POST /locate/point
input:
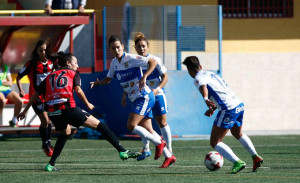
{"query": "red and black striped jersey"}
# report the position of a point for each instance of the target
(37, 71)
(58, 88)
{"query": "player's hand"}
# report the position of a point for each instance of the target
(142, 84)
(97, 82)
(22, 93)
(21, 116)
(90, 106)
(211, 105)
(209, 112)
(81, 9)
(155, 91)
(48, 10)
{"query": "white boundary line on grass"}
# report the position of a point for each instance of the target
(111, 165)
(190, 147)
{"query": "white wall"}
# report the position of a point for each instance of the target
(269, 84)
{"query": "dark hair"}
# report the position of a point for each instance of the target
(191, 62)
(114, 38)
(63, 58)
(138, 36)
(34, 54)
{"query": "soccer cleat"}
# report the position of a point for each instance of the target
(47, 150)
(50, 168)
(144, 155)
(237, 166)
(12, 124)
(159, 149)
(168, 162)
(257, 161)
(129, 154)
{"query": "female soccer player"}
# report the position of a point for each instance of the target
(38, 68)
(156, 82)
(5, 92)
(217, 94)
(58, 88)
(127, 68)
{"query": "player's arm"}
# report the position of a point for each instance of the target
(19, 84)
(32, 99)
(7, 81)
(103, 81)
(152, 64)
(83, 98)
(210, 104)
(162, 84)
(123, 102)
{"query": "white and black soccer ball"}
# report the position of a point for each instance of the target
(213, 161)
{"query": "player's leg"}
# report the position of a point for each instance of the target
(17, 100)
(165, 130)
(160, 110)
(146, 152)
(224, 121)
(87, 120)
(248, 145)
(45, 131)
(2, 102)
(59, 145)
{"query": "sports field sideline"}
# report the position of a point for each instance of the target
(22, 160)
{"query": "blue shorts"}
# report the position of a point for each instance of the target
(143, 105)
(160, 106)
(6, 92)
(228, 118)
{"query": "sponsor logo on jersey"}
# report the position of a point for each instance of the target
(139, 57)
(151, 83)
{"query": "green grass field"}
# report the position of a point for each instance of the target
(22, 160)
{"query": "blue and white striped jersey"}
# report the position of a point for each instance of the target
(218, 90)
(128, 72)
(154, 79)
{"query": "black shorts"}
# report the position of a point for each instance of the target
(73, 116)
(38, 107)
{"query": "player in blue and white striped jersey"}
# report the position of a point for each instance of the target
(127, 69)
(156, 82)
(217, 94)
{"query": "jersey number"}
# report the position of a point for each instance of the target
(60, 82)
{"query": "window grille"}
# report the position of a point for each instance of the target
(257, 8)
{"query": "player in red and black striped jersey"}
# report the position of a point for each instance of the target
(38, 68)
(59, 102)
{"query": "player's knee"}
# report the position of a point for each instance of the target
(130, 127)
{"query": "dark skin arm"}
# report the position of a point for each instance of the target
(210, 104)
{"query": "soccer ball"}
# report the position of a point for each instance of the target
(213, 161)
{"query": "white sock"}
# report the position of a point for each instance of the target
(226, 151)
(166, 133)
(143, 133)
(167, 153)
(146, 144)
(247, 143)
(14, 120)
(156, 134)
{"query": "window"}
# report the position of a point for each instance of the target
(257, 8)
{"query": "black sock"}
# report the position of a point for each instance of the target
(49, 135)
(59, 145)
(44, 134)
(110, 136)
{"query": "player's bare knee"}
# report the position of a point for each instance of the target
(130, 127)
